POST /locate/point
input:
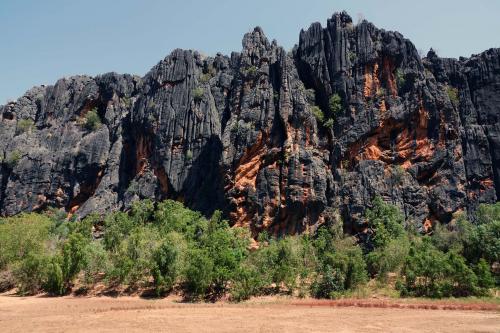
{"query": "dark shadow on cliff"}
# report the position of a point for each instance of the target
(204, 185)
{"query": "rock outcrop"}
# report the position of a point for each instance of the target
(240, 134)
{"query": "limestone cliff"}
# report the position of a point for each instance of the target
(238, 133)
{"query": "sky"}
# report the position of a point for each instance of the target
(42, 41)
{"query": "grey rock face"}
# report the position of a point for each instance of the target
(239, 133)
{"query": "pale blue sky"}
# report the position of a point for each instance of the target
(42, 41)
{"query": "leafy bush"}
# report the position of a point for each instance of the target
(226, 250)
(168, 262)
(13, 159)
(24, 125)
(55, 283)
(92, 120)
(199, 273)
(30, 272)
(453, 95)
(400, 78)
(117, 227)
(73, 256)
(173, 216)
(329, 123)
(335, 105)
(198, 94)
(132, 259)
(250, 72)
(432, 273)
(21, 236)
(485, 279)
(341, 270)
(445, 239)
(208, 73)
(386, 221)
(141, 211)
(166, 246)
(388, 259)
(483, 239)
(398, 173)
(316, 111)
(96, 264)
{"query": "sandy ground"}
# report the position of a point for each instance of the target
(133, 314)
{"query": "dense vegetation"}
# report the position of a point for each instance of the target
(165, 246)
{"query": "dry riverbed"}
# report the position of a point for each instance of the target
(135, 314)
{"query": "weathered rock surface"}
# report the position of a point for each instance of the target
(238, 133)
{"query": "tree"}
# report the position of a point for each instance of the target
(55, 283)
(73, 256)
(168, 261)
(342, 269)
(30, 272)
(199, 273)
(386, 221)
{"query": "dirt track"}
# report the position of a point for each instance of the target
(133, 314)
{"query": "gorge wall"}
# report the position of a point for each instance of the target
(238, 133)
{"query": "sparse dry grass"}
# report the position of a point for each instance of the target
(263, 314)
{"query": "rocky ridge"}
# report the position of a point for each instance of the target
(239, 133)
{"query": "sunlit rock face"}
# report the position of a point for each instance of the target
(241, 133)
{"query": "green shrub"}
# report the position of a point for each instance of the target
(432, 273)
(386, 221)
(21, 236)
(117, 227)
(445, 239)
(388, 259)
(226, 250)
(248, 282)
(7, 281)
(250, 72)
(173, 216)
(329, 123)
(55, 283)
(132, 260)
(330, 284)
(485, 279)
(92, 120)
(141, 211)
(24, 125)
(316, 111)
(30, 272)
(198, 94)
(13, 159)
(341, 270)
(453, 95)
(168, 262)
(96, 263)
(352, 56)
(481, 240)
(199, 273)
(208, 73)
(488, 214)
(400, 78)
(425, 272)
(398, 173)
(335, 105)
(73, 256)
